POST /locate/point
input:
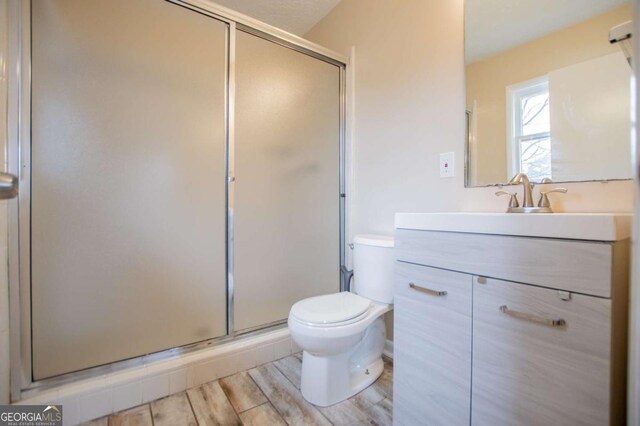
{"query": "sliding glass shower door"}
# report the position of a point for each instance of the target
(128, 181)
(180, 180)
(287, 189)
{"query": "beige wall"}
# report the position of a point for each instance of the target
(409, 103)
(409, 107)
(590, 120)
(487, 80)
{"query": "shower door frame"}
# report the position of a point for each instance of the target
(19, 163)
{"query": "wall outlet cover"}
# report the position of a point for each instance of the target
(447, 163)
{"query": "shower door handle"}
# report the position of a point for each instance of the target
(8, 186)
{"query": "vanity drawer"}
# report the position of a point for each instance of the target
(424, 283)
(432, 346)
(577, 266)
(527, 370)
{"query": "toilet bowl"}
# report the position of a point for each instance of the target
(342, 335)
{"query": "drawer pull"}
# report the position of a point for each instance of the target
(529, 317)
(427, 290)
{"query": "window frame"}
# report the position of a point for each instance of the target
(514, 95)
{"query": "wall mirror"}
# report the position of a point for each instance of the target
(547, 92)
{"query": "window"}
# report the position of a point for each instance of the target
(529, 129)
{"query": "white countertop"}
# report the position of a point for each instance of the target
(578, 226)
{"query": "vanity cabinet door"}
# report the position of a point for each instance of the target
(539, 359)
(432, 346)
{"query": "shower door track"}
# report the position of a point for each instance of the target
(19, 163)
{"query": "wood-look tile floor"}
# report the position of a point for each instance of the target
(264, 396)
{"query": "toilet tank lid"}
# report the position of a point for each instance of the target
(374, 240)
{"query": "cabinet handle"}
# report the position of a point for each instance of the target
(427, 290)
(529, 317)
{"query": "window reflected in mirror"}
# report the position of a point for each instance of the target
(547, 90)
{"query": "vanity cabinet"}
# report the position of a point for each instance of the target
(540, 356)
(510, 330)
(435, 320)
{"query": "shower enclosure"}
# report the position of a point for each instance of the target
(181, 180)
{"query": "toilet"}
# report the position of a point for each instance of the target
(342, 335)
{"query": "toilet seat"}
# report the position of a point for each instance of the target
(331, 310)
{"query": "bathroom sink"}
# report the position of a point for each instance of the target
(579, 226)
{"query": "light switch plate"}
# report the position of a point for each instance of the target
(447, 164)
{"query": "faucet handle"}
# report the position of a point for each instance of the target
(513, 201)
(544, 200)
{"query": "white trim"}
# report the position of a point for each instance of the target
(472, 160)
(100, 396)
(388, 349)
(513, 94)
(512, 167)
(349, 154)
(4, 291)
(633, 373)
(19, 81)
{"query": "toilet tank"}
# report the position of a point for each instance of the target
(373, 264)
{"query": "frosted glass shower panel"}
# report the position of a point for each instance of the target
(128, 180)
(287, 180)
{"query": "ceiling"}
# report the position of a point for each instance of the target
(294, 16)
(492, 26)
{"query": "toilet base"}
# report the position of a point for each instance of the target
(327, 380)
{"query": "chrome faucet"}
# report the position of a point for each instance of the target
(544, 206)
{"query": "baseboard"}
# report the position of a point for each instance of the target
(388, 349)
(100, 396)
